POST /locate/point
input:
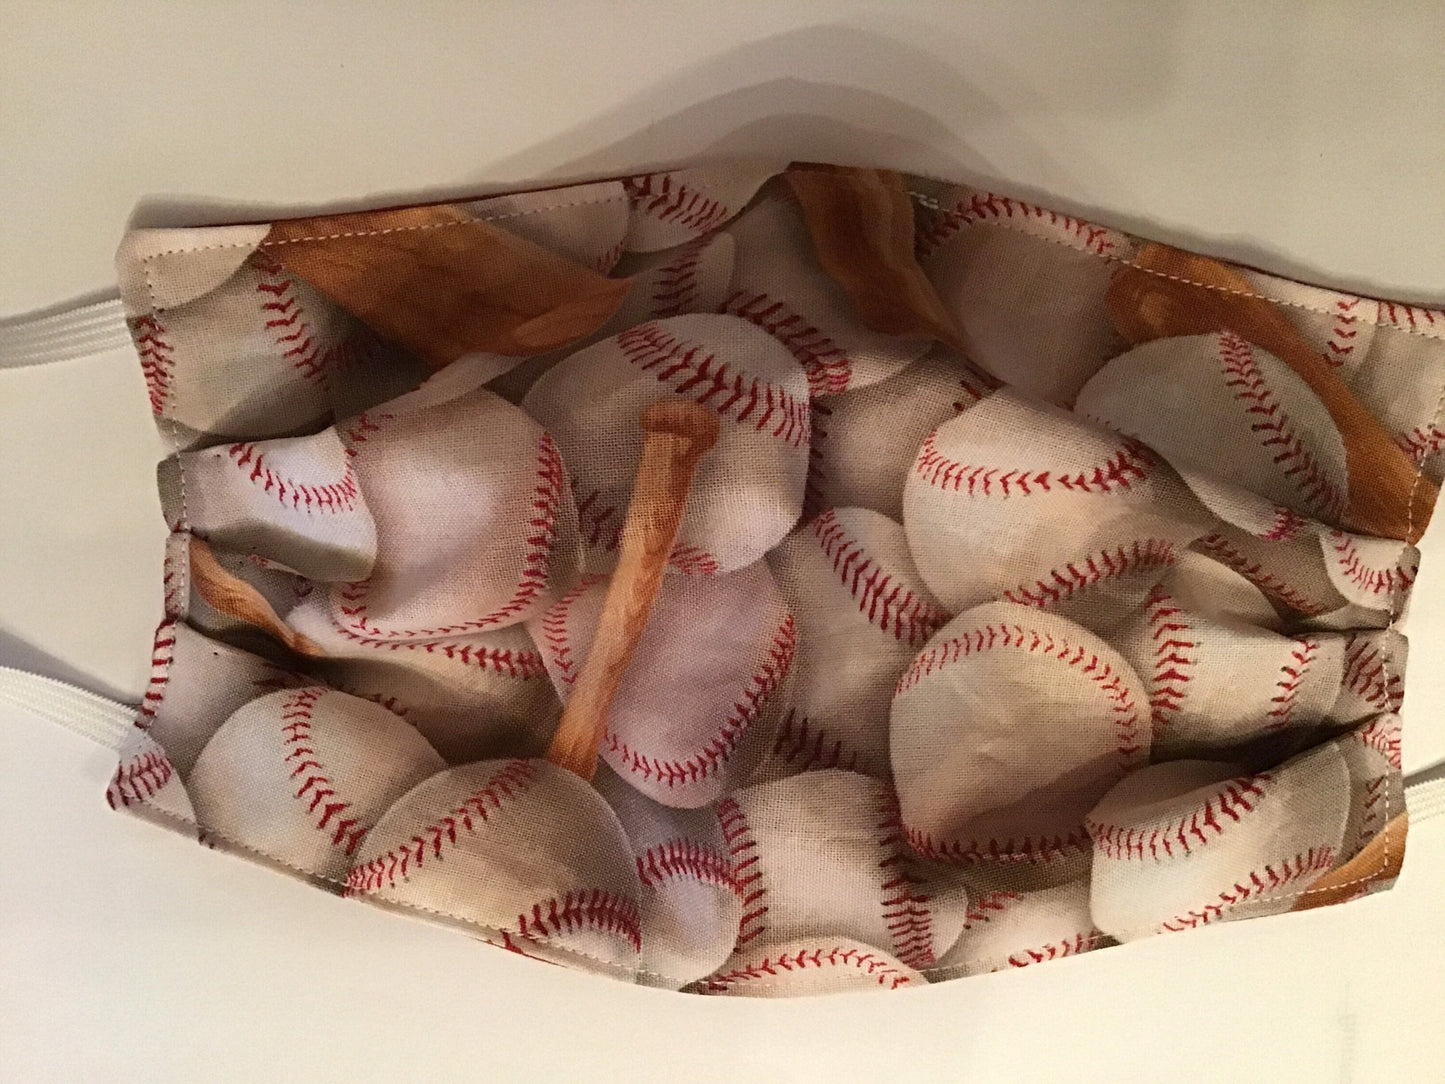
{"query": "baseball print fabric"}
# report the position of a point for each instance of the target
(947, 584)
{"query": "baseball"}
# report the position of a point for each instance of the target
(711, 656)
(1025, 502)
(1369, 573)
(1340, 326)
(1189, 842)
(689, 905)
(1213, 682)
(865, 441)
(779, 285)
(1216, 405)
(824, 854)
(1289, 572)
(1373, 681)
(473, 697)
(1026, 286)
(1008, 928)
(282, 338)
(301, 775)
(195, 685)
(748, 493)
(521, 848)
(1400, 380)
(862, 613)
(1377, 790)
(810, 966)
(672, 208)
(472, 534)
(1006, 729)
(293, 500)
(145, 782)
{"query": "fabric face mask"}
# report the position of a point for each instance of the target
(766, 582)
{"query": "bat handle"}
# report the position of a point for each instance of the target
(676, 435)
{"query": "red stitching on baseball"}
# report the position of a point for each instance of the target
(1033, 849)
(600, 523)
(687, 369)
(1130, 463)
(1062, 584)
(869, 964)
(1341, 343)
(339, 496)
(1222, 550)
(715, 753)
(555, 639)
(1382, 734)
(828, 367)
(536, 563)
(996, 902)
(1084, 942)
(162, 652)
(584, 909)
(1225, 806)
(512, 780)
(674, 290)
(1287, 524)
(1174, 659)
(907, 913)
(1017, 638)
(1278, 433)
(498, 660)
(361, 429)
(746, 868)
(286, 320)
(1421, 443)
(1376, 581)
(314, 787)
(678, 859)
(157, 359)
(804, 746)
(1408, 317)
(815, 498)
(889, 606)
(1292, 676)
(1252, 886)
(986, 207)
(139, 779)
(658, 195)
(607, 260)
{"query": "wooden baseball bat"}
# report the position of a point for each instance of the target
(1167, 292)
(677, 434)
(1381, 859)
(233, 596)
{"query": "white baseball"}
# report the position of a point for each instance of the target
(1377, 790)
(824, 854)
(690, 906)
(671, 208)
(146, 783)
(474, 697)
(301, 775)
(865, 440)
(811, 966)
(1289, 572)
(748, 491)
(1341, 327)
(294, 500)
(1006, 729)
(1369, 573)
(249, 359)
(1189, 842)
(1373, 682)
(1205, 585)
(779, 285)
(1022, 501)
(674, 282)
(1214, 682)
(862, 613)
(1401, 378)
(1217, 406)
(711, 657)
(521, 848)
(1009, 928)
(1026, 286)
(474, 518)
(195, 685)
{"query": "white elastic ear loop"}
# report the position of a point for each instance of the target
(82, 331)
(102, 720)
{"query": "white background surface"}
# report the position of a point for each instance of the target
(1300, 137)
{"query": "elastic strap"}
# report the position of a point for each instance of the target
(104, 721)
(83, 331)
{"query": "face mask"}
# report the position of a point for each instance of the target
(766, 582)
